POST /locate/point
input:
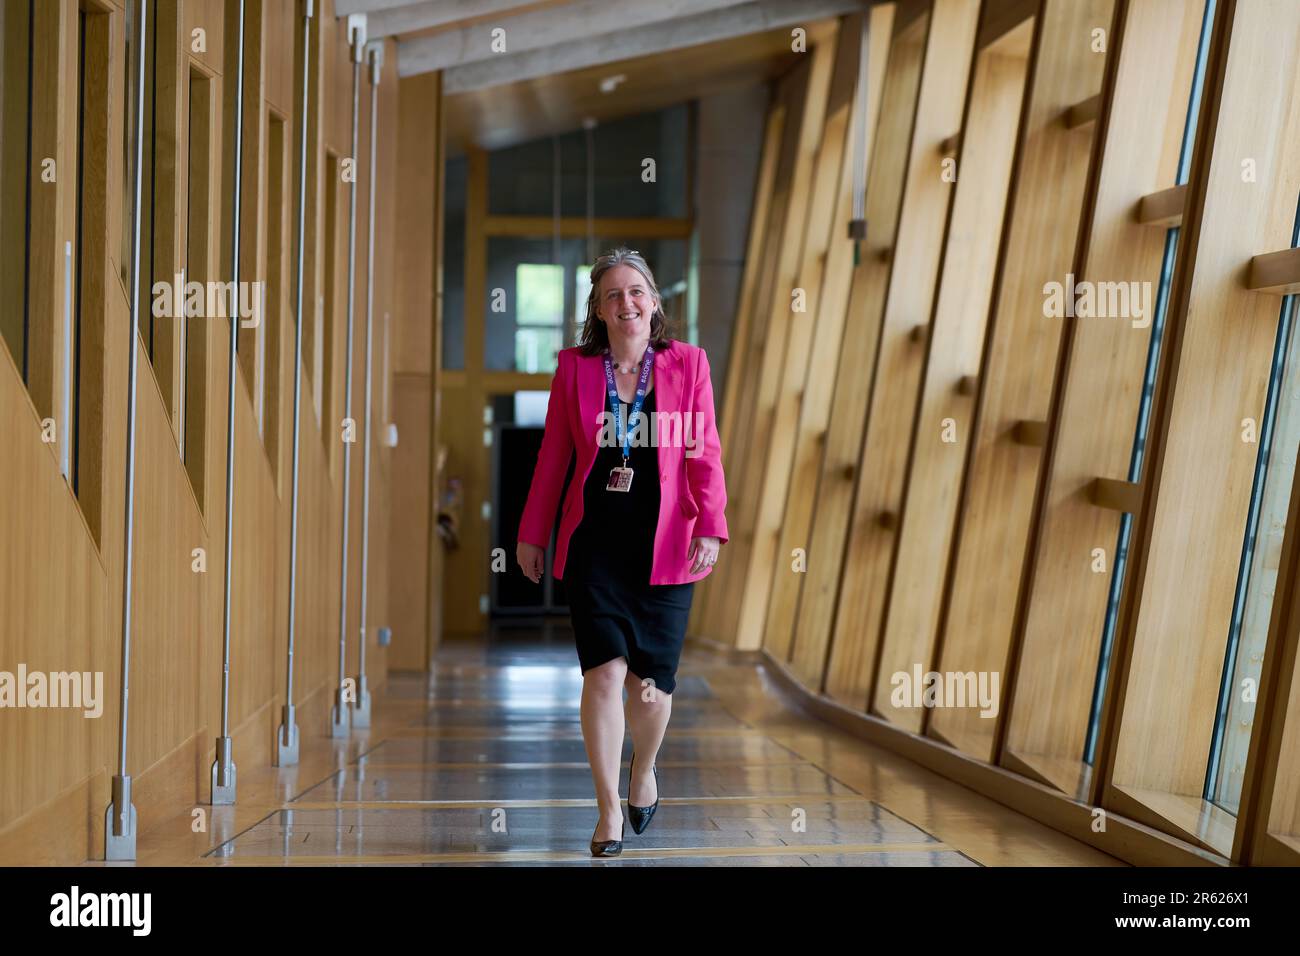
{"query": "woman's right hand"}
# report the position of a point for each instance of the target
(532, 560)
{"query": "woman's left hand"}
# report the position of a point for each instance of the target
(704, 552)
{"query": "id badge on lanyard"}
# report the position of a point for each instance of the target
(620, 476)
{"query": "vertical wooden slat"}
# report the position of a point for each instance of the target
(1219, 349)
(1015, 381)
(831, 303)
(742, 352)
(53, 96)
(915, 261)
(745, 464)
(941, 434)
(1093, 413)
(836, 483)
(802, 327)
(739, 461)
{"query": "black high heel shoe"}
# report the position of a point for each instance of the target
(641, 816)
(609, 847)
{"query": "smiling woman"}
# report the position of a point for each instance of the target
(632, 571)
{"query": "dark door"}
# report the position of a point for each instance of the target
(514, 457)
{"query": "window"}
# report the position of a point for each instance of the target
(528, 295)
(331, 297)
(523, 180)
(150, 218)
(278, 259)
(581, 291)
(540, 316)
(199, 260)
(1148, 392)
(16, 24)
(128, 139)
(453, 264)
(72, 336)
(1278, 435)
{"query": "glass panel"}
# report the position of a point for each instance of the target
(541, 294)
(1261, 552)
(148, 186)
(15, 135)
(74, 384)
(196, 268)
(1134, 475)
(526, 289)
(581, 291)
(522, 179)
(128, 137)
(1148, 389)
(536, 349)
(453, 264)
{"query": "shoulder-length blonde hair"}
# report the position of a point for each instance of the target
(595, 338)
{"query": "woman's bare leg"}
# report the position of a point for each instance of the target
(648, 710)
(602, 732)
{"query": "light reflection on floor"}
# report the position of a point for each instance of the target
(490, 769)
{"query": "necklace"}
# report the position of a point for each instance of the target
(628, 367)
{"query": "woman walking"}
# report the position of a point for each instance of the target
(642, 521)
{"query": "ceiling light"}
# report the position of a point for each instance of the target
(610, 83)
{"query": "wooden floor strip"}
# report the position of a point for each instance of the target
(372, 764)
(754, 799)
(558, 856)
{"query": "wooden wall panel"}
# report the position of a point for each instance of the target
(769, 210)
(14, 153)
(163, 241)
(837, 481)
(419, 158)
(1270, 798)
(409, 524)
(817, 320)
(710, 609)
(51, 213)
(831, 303)
(1099, 388)
(1013, 588)
(941, 437)
(60, 604)
(1015, 382)
(100, 227)
(745, 482)
(313, 345)
(208, 16)
(1220, 347)
(897, 375)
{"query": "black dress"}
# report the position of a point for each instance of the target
(615, 610)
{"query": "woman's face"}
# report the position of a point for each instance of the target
(625, 303)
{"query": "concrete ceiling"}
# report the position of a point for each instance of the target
(515, 71)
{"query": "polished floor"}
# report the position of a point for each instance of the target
(482, 763)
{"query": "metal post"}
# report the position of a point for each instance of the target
(361, 707)
(286, 751)
(341, 713)
(120, 816)
(223, 767)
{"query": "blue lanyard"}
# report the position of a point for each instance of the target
(646, 363)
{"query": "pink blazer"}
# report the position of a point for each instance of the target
(692, 495)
